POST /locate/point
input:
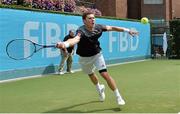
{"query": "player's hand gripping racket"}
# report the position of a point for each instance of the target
(20, 49)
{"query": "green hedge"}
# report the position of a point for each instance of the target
(175, 31)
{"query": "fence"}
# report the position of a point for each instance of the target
(159, 27)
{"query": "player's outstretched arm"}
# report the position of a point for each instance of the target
(68, 43)
(121, 29)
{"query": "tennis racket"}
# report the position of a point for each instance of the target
(20, 49)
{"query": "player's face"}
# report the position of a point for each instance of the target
(90, 20)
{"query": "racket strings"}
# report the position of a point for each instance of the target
(20, 49)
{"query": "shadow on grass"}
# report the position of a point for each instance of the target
(68, 109)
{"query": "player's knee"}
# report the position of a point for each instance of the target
(102, 71)
(105, 74)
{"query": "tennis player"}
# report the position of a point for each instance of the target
(90, 56)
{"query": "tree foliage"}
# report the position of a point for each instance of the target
(175, 31)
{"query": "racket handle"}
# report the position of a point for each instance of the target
(49, 46)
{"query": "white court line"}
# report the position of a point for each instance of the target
(77, 70)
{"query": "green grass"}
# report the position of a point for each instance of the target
(148, 87)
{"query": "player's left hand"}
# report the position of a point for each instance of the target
(60, 45)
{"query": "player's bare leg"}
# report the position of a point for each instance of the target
(99, 87)
(111, 83)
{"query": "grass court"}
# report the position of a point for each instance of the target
(151, 86)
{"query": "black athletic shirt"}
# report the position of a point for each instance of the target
(89, 44)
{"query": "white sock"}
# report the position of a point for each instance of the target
(98, 87)
(116, 92)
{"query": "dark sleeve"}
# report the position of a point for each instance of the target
(79, 32)
(102, 27)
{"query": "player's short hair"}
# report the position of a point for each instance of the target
(85, 15)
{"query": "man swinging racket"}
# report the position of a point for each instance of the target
(90, 56)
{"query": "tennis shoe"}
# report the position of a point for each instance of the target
(120, 101)
(61, 73)
(101, 93)
(70, 72)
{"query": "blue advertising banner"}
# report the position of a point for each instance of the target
(48, 28)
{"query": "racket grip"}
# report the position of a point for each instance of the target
(49, 46)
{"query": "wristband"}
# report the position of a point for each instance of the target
(66, 44)
(126, 30)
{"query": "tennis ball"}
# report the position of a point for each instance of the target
(144, 20)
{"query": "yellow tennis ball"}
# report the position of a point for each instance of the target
(144, 20)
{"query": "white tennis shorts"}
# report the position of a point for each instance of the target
(89, 64)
